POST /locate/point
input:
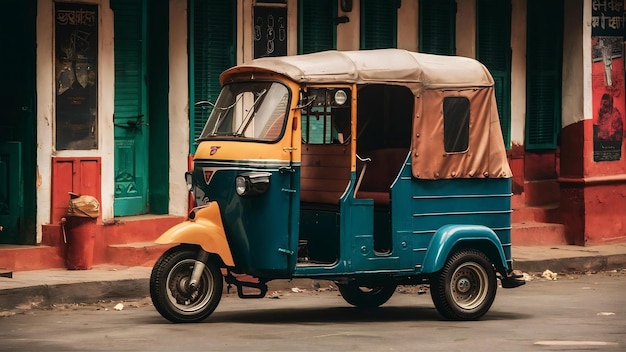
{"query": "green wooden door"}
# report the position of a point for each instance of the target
(11, 197)
(493, 49)
(18, 126)
(212, 37)
(130, 114)
(379, 24)
(544, 57)
(317, 25)
(437, 25)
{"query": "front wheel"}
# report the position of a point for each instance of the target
(171, 294)
(366, 296)
(466, 286)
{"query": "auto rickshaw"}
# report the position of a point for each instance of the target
(371, 169)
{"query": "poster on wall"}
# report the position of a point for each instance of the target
(607, 18)
(608, 97)
(76, 54)
(270, 31)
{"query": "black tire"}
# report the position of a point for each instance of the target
(365, 296)
(169, 289)
(466, 286)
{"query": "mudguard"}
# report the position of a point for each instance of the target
(203, 228)
(475, 236)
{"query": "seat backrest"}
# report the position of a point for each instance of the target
(325, 172)
(383, 168)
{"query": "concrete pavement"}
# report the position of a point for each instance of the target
(60, 286)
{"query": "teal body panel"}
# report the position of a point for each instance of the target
(429, 219)
(449, 237)
(423, 209)
(261, 230)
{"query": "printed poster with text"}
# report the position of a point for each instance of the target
(608, 97)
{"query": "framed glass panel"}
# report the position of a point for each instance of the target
(76, 63)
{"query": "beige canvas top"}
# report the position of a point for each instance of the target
(417, 71)
(431, 78)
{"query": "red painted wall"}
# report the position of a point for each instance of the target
(593, 194)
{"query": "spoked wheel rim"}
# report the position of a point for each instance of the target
(181, 296)
(469, 285)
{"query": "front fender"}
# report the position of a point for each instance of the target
(475, 236)
(204, 229)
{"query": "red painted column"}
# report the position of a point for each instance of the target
(593, 192)
(571, 186)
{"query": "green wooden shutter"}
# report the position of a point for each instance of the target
(212, 36)
(437, 25)
(317, 28)
(379, 24)
(493, 49)
(543, 73)
(128, 30)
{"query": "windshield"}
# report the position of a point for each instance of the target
(254, 110)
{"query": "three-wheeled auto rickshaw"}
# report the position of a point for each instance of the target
(371, 169)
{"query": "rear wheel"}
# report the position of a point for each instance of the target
(466, 286)
(173, 296)
(366, 296)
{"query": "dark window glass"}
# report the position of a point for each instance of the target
(385, 115)
(326, 121)
(456, 122)
(76, 62)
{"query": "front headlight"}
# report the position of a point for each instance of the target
(252, 183)
(241, 185)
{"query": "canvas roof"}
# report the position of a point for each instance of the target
(417, 71)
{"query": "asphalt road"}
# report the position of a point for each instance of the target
(579, 312)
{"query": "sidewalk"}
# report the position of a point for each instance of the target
(59, 286)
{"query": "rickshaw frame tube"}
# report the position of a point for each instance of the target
(205, 229)
(450, 237)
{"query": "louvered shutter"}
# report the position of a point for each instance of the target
(437, 25)
(128, 58)
(493, 49)
(317, 29)
(543, 73)
(379, 24)
(212, 36)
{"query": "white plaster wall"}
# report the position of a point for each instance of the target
(407, 25)
(292, 27)
(46, 108)
(577, 98)
(245, 50)
(245, 24)
(348, 34)
(518, 71)
(106, 105)
(178, 107)
(466, 28)
(587, 62)
(466, 46)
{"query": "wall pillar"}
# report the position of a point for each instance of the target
(593, 191)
